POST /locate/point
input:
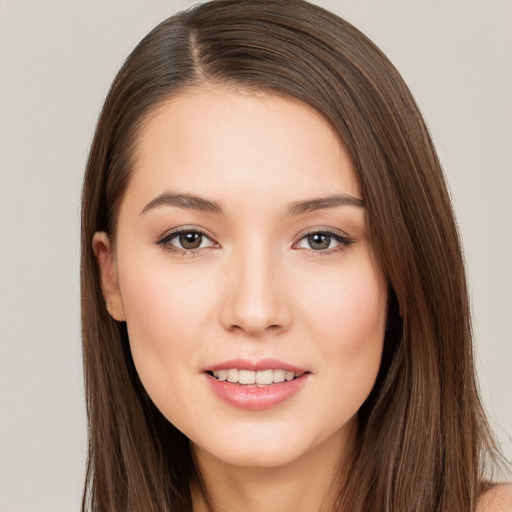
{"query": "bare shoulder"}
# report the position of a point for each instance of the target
(496, 499)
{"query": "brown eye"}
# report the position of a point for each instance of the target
(190, 240)
(323, 242)
(181, 241)
(319, 241)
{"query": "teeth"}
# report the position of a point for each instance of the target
(265, 377)
(221, 374)
(279, 375)
(232, 375)
(260, 378)
(246, 377)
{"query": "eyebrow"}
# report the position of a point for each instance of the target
(322, 203)
(193, 202)
(186, 201)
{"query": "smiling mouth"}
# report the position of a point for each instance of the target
(261, 378)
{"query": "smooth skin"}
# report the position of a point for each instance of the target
(223, 251)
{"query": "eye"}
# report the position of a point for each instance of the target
(185, 240)
(319, 241)
(190, 240)
(323, 241)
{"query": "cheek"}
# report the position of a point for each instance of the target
(349, 320)
(164, 313)
(351, 305)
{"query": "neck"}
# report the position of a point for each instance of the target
(307, 484)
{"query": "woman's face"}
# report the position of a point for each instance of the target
(242, 259)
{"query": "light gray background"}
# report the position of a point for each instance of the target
(57, 60)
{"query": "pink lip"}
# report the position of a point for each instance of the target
(255, 366)
(256, 398)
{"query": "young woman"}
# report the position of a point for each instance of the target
(274, 307)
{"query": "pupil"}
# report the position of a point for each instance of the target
(319, 241)
(190, 240)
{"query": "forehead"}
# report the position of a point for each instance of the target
(223, 143)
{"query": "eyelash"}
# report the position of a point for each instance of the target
(344, 241)
(165, 242)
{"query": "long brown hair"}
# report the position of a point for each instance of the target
(423, 438)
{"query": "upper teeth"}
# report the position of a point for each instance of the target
(263, 377)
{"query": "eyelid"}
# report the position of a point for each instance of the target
(323, 229)
(344, 239)
(164, 239)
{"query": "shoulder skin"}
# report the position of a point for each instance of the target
(496, 499)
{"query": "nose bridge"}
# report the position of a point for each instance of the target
(254, 300)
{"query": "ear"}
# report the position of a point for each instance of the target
(108, 276)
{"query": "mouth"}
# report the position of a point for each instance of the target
(260, 378)
(256, 386)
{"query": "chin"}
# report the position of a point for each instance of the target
(253, 457)
(269, 446)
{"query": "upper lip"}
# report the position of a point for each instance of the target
(259, 365)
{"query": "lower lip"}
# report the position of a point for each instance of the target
(256, 398)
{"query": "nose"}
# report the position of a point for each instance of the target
(255, 299)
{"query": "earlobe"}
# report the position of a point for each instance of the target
(108, 276)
